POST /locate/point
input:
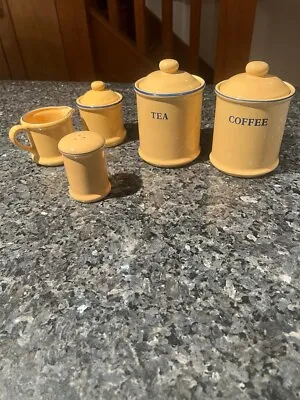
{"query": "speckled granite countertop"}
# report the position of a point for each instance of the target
(183, 284)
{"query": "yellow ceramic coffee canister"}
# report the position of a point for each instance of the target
(101, 112)
(44, 127)
(251, 112)
(169, 103)
(85, 166)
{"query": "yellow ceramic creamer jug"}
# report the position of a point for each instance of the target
(44, 127)
(169, 103)
(251, 112)
(85, 166)
(101, 112)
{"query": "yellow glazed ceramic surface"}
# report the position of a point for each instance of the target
(44, 127)
(101, 112)
(169, 103)
(85, 166)
(251, 111)
(255, 84)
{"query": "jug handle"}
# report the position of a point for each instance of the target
(13, 136)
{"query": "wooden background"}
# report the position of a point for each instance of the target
(115, 40)
(45, 40)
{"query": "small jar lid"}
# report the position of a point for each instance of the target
(81, 142)
(255, 84)
(99, 95)
(169, 80)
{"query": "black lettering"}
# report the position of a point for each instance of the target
(240, 121)
(158, 115)
(258, 122)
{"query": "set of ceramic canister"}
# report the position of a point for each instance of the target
(250, 117)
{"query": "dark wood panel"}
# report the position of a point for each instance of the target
(73, 23)
(114, 13)
(236, 20)
(4, 69)
(167, 28)
(140, 24)
(125, 64)
(195, 26)
(37, 29)
(10, 44)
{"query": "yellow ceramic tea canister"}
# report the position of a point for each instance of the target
(251, 112)
(169, 103)
(44, 127)
(101, 112)
(85, 166)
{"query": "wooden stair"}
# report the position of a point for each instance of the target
(116, 58)
(129, 41)
(127, 33)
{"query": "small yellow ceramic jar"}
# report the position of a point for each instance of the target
(101, 112)
(169, 103)
(250, 117)
(85, 166)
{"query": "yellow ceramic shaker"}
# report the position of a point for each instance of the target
(169, 103)
(85, 166)
(44, 127)
(250, 117)
(101, 112)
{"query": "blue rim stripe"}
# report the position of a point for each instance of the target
(237, 100)
(98, 107)
(169, 94)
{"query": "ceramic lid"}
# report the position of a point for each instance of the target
(82, 142)
(169, 80)
(99, 95)
(255, 84)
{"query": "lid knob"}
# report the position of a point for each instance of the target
(257, 68)
(98, 85)
(169, 65)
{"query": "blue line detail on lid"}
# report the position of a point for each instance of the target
(241, 100)
(169, 94)
(97, 107)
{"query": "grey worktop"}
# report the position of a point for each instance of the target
(182, 284)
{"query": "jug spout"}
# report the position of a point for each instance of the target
(63, 112)
(66, 111)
